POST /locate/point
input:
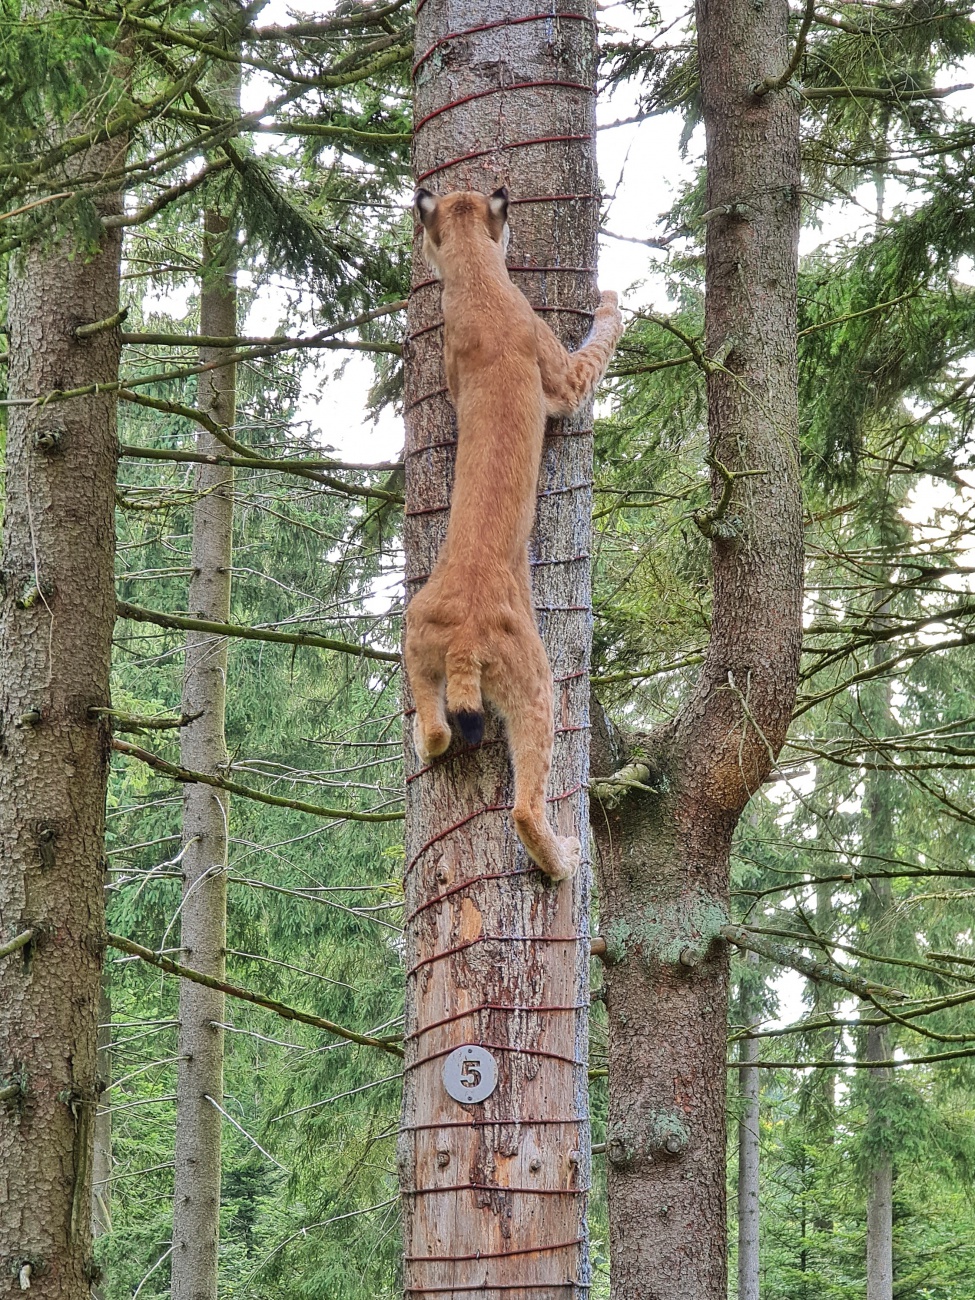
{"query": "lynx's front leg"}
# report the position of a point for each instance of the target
(570, 378)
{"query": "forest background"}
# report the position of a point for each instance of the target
(857, 853)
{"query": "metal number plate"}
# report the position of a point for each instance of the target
(470, 1074)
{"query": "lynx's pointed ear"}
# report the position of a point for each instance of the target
(498, 203)
(425, 205)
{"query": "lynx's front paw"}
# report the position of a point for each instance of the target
(609, 310)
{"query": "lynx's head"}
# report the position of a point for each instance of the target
(459, 220)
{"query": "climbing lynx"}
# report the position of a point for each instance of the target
(470, 632)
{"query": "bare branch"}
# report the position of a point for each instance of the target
(247, 995)
(188, 777)
(185, 622)
(742, 937)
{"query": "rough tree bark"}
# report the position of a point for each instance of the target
(203, 748)
(495, 1193)
(664, 857)
(58, 610)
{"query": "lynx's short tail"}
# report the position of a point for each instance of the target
(464, 696)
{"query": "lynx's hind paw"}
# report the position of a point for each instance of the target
(570, 855)
(430, 744)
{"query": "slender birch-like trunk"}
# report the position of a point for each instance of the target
(101, 1191)
(203, 747)
(494, 1192)
(880, 1179)
(877, 906)
(748, 1149)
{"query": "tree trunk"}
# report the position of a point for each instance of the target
(880, 1180)
(203, 747)
(878, 900)
(101, 1191)
(748, 1146)
(495, 1192)
(664, 857)
(58, 610)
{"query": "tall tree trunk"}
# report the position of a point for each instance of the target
(58, 610)
(495, 1193)
(880, 1178)
(748, 1144)
(203, 747)
(101, 1190)
(664, 858)
(878, 899)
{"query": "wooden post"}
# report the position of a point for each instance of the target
(495, 1191)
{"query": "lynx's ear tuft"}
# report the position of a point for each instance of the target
(498, 203)
(425, 205)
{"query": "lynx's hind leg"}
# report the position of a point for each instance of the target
(431, 730)
(523, 694)
(424, 656)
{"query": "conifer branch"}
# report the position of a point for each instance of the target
(314, 28)
(136, 723)
(232, 358)
(184, 622)
(37, 203)
(888, 96)
(157, 339)
(911, 654)
(856, 315)
(861, 953)
(164, 199)
(121, 123)
(15, 944)
(781, 955)
(188, 777)
(222, 54)
(782, 80)
(892, 627)
(651, 367)
(848, 877)
(244, 457)
(247, 995)
(839, 1064)
(614, 679)
(252, 462)
(94, 327)
(318, 130)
